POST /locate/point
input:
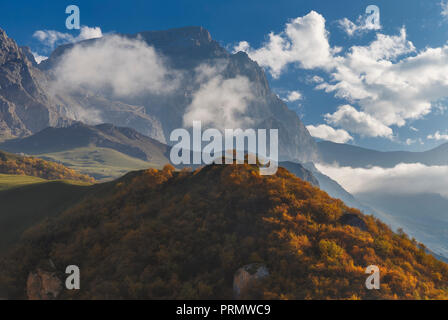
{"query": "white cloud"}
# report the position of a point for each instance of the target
(388, 79)
(411, 178)
(410, 141)
(390, 89)
(219, 102)
(304, 41)
(39, 58)
(358, 122)
(413, 129)
(50, 38)
(119, 65)
(294, 96)
(328, 133)
(315, 79)
(437, 136)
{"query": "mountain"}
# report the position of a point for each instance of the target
(184, 50)
(357, 157)
(25, 107)
(186, 235)
(78, 135)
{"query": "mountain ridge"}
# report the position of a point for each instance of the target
(122, 139)
(354, 156)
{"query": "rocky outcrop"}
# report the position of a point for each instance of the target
(43, 283)
(25, 107)
(248, 276)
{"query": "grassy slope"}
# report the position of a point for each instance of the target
(25, 201)
(100, 163)
(9, 181)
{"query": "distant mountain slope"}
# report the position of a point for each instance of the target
(25, 107)
(78, 135)
(183, 235)
(30, 166)
(353, 156)
(101, 163)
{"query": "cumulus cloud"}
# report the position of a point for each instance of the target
(358, 122)
(219, 102)
(124, 67)
(437, 136)
(411, 178)
(328, 133)
(387, 79)
(304, 42)
(294, 96)
(50, 38)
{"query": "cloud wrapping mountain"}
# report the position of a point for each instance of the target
(219, 103)
(159, 81)
(125, 67)
(50, 38)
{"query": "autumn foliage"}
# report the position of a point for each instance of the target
(30, 166)
(167, 234)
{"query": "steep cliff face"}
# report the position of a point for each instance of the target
(25, 108)
(184, 50)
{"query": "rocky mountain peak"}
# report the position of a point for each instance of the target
(8, 48)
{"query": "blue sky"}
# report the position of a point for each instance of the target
(230, 22)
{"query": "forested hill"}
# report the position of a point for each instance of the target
(22, 165)
(167, 234)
